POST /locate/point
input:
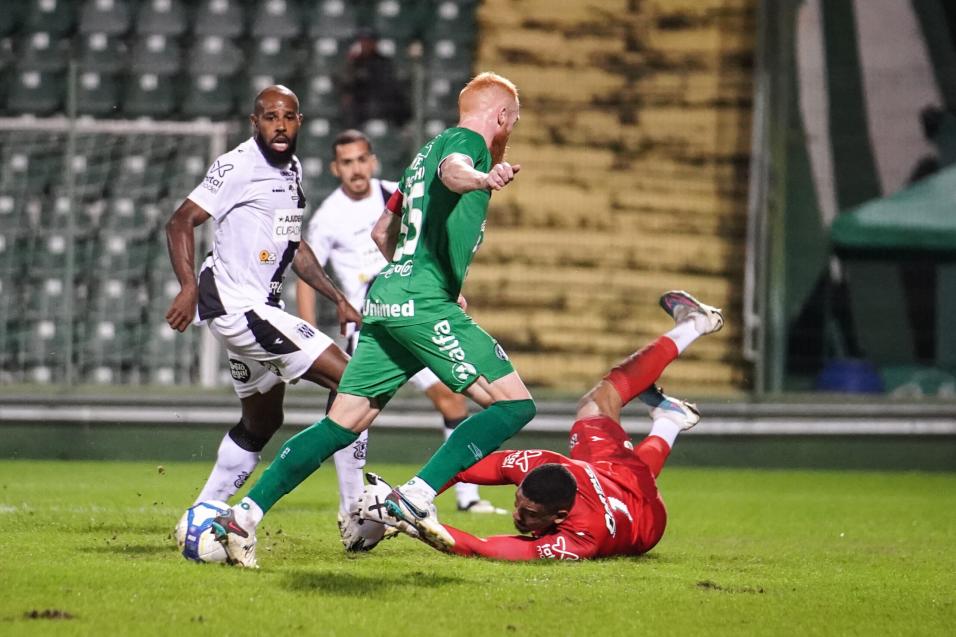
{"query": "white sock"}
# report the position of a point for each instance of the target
(667, 429)
(233, 467)
(417, 486)
(248, 514)
(465, 492)
(349, 463)
(683, 334)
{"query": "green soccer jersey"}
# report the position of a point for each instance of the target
(441, 231)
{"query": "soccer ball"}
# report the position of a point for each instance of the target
(195, 536)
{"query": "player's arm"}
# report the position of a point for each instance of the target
(458, 173)
(557, 546)
(305, 301)
(181, 244)
(387, 228)
(308, 269)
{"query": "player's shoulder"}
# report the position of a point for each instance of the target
(240, 158)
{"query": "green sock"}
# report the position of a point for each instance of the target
(299, 458)
(475, 438)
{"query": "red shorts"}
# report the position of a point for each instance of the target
(601, 441)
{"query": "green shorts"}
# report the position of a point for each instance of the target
(455, 348)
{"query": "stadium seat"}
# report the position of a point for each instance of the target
(319, 98)
(277, 18)
(156, 53)
(211, 96)
(161, 17)
(453, 20)
(449, 59)
(56, 17)
(105, 16)
(390, 147)
(338, 19)
(220, 17)
(137, 177)
(36, 93)
(401, 20)
(215, 55)
(150, 95)
(326, 56)
(97, 94)
(42, 51)
(102, 53)
(275, 57)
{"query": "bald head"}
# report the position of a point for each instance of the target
(273, 93)
(276, 122)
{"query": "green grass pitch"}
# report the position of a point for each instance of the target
(86, 549)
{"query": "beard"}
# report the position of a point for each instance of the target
(499, 148)
(273, 156)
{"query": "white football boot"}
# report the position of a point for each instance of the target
(682, 413)
(240, 543)
(418, 512)
(682, 306)
(482, 506)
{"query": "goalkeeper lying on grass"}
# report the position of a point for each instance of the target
(603, 499)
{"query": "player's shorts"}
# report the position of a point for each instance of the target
(267, 346)
(601, 441)
(455, 348)
(422, 381)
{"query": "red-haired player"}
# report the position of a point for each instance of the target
(603, 499)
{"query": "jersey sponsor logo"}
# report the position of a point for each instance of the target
(266, 257)
(305, 330)
(275, 288)
(239, 370)
(389, 309)
(500, 352)
(400, 269)
(618, 505)
(609, 520)
(463, 371)
(520, 459)
(287, 224)
(573, 442)
(214, 178)
(447, 342)
(557, 550)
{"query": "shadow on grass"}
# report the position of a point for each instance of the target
(119, 548)
(352, 585)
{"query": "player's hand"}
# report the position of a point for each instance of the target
(501, 175)
(183, 309)
(347, 314)
(462, 303)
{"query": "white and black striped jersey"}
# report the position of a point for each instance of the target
(340, 233)
(258, 211)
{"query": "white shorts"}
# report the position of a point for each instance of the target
(422, 380)
(267, 346)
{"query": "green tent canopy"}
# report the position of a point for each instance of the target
(921, 217)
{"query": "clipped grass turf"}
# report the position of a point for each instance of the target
(86, 548)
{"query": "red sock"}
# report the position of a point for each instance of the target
(639, 370)
(653, 452)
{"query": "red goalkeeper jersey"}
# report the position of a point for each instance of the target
(617, 510)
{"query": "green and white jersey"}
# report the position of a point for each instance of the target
(441, 231)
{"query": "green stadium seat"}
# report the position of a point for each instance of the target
(401, 20)
(224, 18)
(56, 17)
(273, 56)
(215, 55)
(156, 53)
(161, 17)
(112, 17)
(138, 177)
(40, 51)
(36, 93)
(326, 56)
(211, 96)
(453, 20)
(449, 59)
(390, 147)
(97, 94)
(150, 95)
(319, 97)
(277, 18)
(338, 19)
(102, 53)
